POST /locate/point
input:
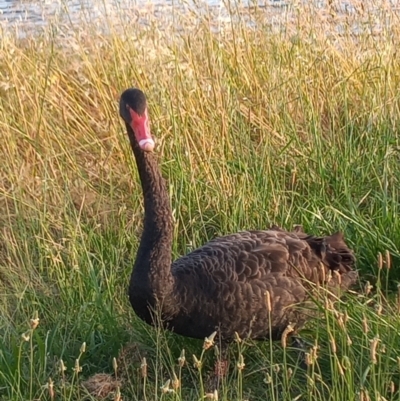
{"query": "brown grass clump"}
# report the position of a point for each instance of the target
(101, 385)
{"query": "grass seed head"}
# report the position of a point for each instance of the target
(368, 288)
(176, 383)
(364, 395)
(312, 356)
(365, 324)
(268, 301)
(212, 396)
(77, 368)
(182, 359)
(333, 343)
(373, 349)
(314, 351)
(289, 329)
(345, 317)
(268, 378)
(241, 364)
(378, 308)
(165, 387)
(340, 368)
(50, 387)
(196, 363)
(209, 341)
(62, 367)
(388, 259)
(380, 261)
(338, 277)
(329, 305)
(143, 367)
(329, 276)
(340, 320)
(34, 323)
(322, 269)
(349, 340)
(346, 362)
(237, 338)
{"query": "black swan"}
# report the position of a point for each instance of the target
(250, 283)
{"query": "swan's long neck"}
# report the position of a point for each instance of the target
(151, 277)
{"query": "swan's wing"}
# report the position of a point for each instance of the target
(253, 255)
(224, 283)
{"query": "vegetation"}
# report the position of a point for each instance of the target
(257, 122)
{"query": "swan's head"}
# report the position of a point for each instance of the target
(133, 109)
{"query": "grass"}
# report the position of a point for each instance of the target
(257, 123)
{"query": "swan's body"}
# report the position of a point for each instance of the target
(225, 284)
(222, 285)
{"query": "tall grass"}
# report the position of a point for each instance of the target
(257, 122)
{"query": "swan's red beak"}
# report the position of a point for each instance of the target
(141, 127)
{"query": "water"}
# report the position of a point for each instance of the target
(39, 13)
(26, 16)
(30, 16)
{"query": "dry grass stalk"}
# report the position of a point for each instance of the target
(118, 396)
